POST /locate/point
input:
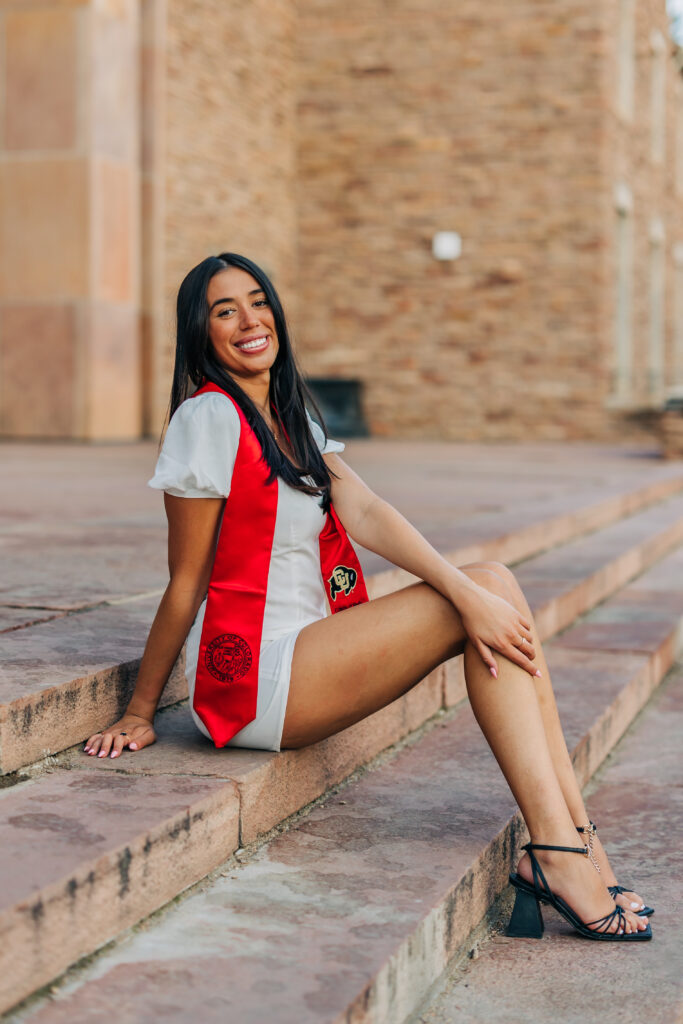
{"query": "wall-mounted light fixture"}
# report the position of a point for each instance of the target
(446, 245)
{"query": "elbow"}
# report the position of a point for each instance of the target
(188, 591)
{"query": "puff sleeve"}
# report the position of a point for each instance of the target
(319, 438)
(198, 455)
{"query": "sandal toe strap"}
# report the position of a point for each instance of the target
(603, 924)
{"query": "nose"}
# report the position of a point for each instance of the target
(248, 318)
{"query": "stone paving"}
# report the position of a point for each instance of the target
(636, 799)
(83, 544)
(408, 856)
(78, 525)
(65, 502)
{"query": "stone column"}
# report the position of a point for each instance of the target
(155, 330)
(70, 361)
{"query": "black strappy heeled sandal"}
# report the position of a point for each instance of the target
(527, 921)
(614, 890)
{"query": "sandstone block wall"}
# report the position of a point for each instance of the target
(496, 122)
(330, 143)
(230, 146)
(69, 222)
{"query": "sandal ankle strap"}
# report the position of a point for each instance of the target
(539, 879)
(562, 849)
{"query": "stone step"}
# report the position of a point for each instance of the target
(352, 912)
(637, 800)
(78, 527)
(61, 679)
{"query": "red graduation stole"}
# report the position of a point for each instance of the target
(226, 686)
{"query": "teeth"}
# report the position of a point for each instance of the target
(256, 343)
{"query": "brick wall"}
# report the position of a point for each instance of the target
(492, 121)
(330, 143)
(229, 145)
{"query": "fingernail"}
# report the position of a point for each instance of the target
(537, 673)
(101, 753)
(86, 750)
(494, 671)
(133, 746)
(113, 753)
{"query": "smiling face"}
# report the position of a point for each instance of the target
(241, 326)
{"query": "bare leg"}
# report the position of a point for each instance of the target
(348, 666)
(557, 745)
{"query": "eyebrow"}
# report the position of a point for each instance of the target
(254, 291)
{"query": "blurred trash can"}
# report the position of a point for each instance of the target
(341, 404)
(671, 425)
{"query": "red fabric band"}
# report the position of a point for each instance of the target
(226, 688)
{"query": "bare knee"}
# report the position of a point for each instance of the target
(493, 576)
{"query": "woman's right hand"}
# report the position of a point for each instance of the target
(493, 624)
(139, 733)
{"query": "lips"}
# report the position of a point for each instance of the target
(255, 344)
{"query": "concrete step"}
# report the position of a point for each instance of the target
(61, 679)
(353, 912)
(637, 800)
(78, 526)
(119, 844)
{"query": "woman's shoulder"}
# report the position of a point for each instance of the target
(208, 411)
(200, 447)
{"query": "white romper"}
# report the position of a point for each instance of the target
(196, 461)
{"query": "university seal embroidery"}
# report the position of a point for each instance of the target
(342, 579)
(228, 657)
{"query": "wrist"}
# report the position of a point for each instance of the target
(141, 708)
(460, 588)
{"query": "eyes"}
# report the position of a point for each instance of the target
(227, 311)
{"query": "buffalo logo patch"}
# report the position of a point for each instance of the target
(343, 580)
(228, 657)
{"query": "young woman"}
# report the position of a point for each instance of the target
(256, 496)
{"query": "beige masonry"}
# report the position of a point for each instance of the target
(70, 239)
(331, 144)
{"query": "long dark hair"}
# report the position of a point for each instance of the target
(196, 363)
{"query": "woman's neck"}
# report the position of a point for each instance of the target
(258, 389)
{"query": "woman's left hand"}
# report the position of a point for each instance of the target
(493, 624)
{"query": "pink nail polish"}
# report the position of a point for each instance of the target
(537, 672)
(133, 746)
(494, 671)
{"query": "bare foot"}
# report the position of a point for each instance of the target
(575, 879)
(627, 900)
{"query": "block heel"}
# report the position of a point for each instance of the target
(526, 921)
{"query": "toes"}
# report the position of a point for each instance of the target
(632, 901)
(634, 923)
(627, 901)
